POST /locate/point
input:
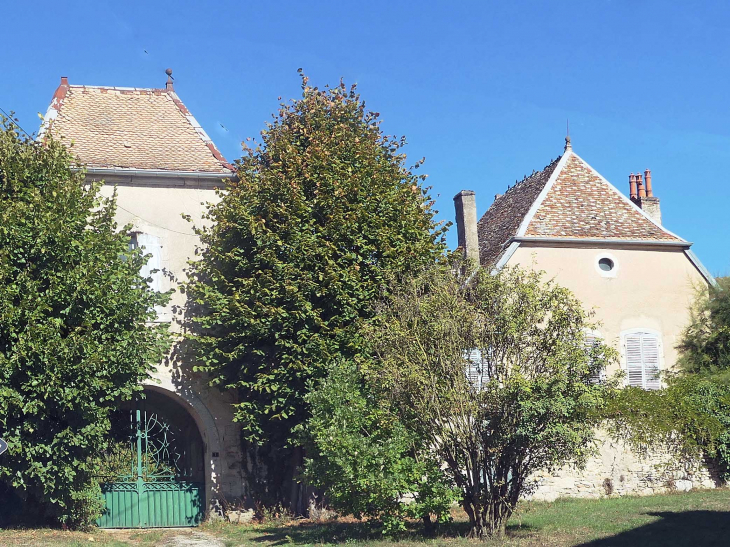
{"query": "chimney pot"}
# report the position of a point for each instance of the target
(632, 186)
(647, 178)
(640, 186)
(466, 224)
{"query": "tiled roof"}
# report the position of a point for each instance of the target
(503, 218)
(113, 127)
(568, 200)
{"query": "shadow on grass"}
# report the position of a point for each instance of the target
(687, 528)
(356, 531)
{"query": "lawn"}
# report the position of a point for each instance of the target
(683, 519)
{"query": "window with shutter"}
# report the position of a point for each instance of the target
(153, 269)
(642, 360)
(591, 340)
(474, 368)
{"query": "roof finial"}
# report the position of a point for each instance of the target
(168, 85)
(568, 146)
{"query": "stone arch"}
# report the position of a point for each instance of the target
(206, 426)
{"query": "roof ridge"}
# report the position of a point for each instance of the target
(533, 174)
(120, 88)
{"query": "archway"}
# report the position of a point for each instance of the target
(158, 470)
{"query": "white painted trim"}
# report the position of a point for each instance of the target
(543, 193)
(581, 242)
(613, 272)
(506, 255)
(700, 267)
(627, 200)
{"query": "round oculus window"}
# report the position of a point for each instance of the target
(605, 264)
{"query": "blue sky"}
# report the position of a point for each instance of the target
(481, 89)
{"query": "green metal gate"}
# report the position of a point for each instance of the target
(150, 490)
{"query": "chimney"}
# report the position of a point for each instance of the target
(632, 187)
(647, 180)
(644, 198)
(465, 204)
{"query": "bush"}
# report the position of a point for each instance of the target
(365, 460)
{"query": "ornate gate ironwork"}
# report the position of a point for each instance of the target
(151, 486)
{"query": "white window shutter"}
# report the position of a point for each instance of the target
(474, 368)
(650, 353)
(634, 364)
(150, 245)
(590, 341)
(642, 360)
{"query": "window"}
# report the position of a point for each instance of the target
(606, 265)
(642, 353)
(476, 369)
(592, 340)
(150, 245)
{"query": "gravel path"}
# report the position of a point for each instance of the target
(192, 539)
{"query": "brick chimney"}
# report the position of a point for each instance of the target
(465, 204)
(642, 194)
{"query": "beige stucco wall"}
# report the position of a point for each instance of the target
(650, 289)
(155, 207)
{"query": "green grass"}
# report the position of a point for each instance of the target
(691, 519)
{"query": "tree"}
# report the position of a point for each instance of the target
(365, 460)
(323, 213)
(705, 343)
(494, 372)
(74, 338)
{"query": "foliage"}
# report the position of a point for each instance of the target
(705, 344)
(324, 211)
(691, 414)
(365, 460)
(73, 334)
(528, 405)
(120, 464)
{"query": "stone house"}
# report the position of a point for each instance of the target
(615, 255)
(147, 145)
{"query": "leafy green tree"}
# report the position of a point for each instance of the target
(323, 213)
(74, 338)
(705, 343)
(364, 459)
(494, 373)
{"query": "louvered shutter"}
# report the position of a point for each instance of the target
(642, 360)
(650, 354)
(634, 363)
(151, 245)
(590, 341)
(474, 368)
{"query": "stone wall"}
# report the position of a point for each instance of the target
(617, 470)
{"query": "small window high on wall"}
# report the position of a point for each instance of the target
(150, 245)
(642, 350)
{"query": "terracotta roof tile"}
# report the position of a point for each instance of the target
(570, 200)
(131, 128)
(581, 204)
(503, 218)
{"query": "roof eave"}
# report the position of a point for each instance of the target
(161, 173)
